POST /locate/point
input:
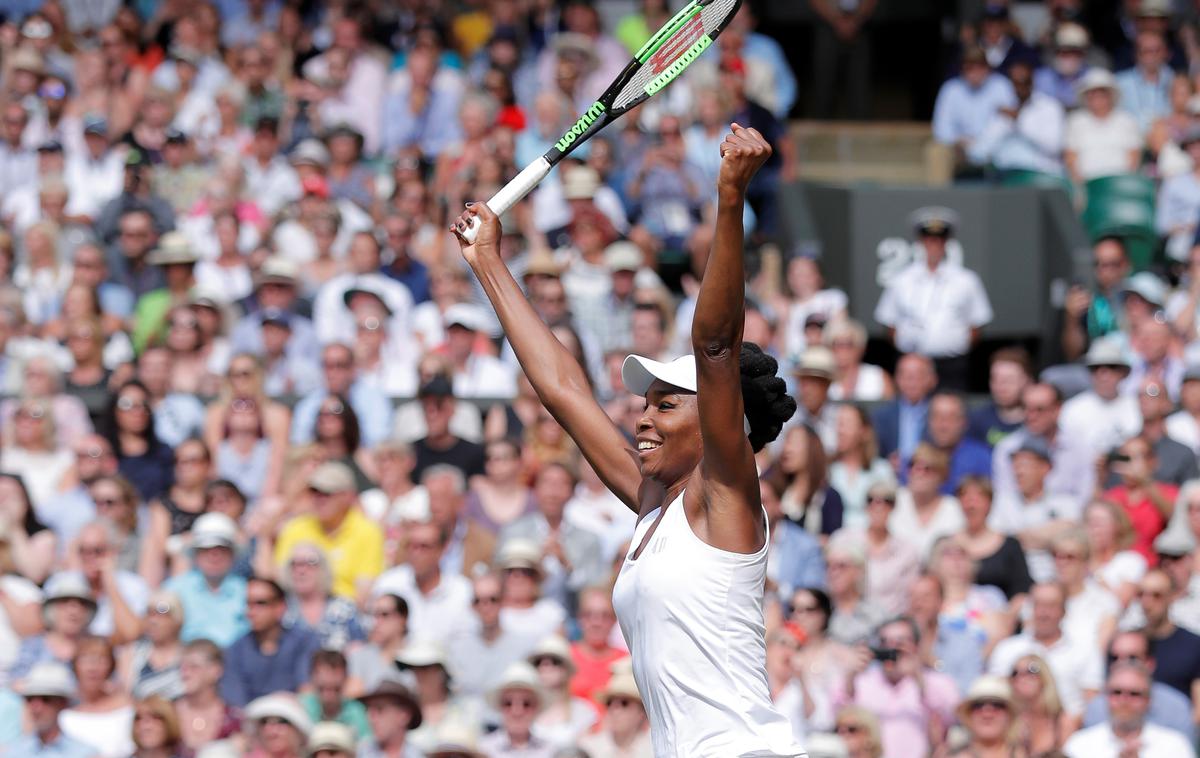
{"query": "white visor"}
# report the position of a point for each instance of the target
(639, 373)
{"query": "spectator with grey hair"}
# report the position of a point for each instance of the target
(438, 601)
(121, 596)
(468, 545)
(150, 666)
(308, 579)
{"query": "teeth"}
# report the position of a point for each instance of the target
(647, 445)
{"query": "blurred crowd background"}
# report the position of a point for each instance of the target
(272, 483)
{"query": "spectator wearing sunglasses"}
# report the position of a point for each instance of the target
(47, 692)
(624, 732)
(988, 713)
(141, 457)
(519, 699)
(481, 651)
(1177, 649)
(859, 730)
(1128, 730)
(1168, 708)
(270, 657)
(388, 635)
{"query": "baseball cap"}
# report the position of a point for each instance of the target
(331, 478)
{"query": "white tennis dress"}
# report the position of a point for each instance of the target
(693, 617)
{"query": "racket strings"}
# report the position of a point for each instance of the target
(711, 20)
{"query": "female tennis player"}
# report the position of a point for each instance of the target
(690, 593)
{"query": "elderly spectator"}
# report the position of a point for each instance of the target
(204, 716)
(438, 601)
(853, 379)
(1102, 415)
(425, 662)
(280, 724)
(1102, 140)
(852, 619)
(564, 717)
(1127, 728)
(624, 730)
(988, 713)
(913, 701)
(47, 691)
(1060, 79)
(212, 596)
(468, 545)
(32, 450)
(308, 578)
(120, 595)
(270, 657)
(814, 371)
(150, 666)
(338, 526)
(68, 607)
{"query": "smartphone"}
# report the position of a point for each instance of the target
(1118, 458)
(883, 654)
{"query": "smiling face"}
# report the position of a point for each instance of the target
(668, 433)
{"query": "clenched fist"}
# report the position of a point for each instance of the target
(743, 152)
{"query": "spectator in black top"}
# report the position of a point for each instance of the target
(141, 457)
(440, 445)
(1176, 650)
(1000, 559)
(137, 193)
(1011, 371)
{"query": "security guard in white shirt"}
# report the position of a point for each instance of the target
(936, 307)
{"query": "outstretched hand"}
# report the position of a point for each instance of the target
(488, 237)
(743, 152)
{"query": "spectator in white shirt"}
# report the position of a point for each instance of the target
(1078, 669)
(1101, 140)
(477, 374)
(936, 307)
(1127, 732)
(1101, 415)
(1027, 135)
(439, 603)
(95, 174)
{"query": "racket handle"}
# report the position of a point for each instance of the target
(510, 194)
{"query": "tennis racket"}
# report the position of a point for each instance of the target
(661, 60)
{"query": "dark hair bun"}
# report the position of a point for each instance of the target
(764, 395)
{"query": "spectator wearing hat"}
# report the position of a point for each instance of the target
(1127, 728)
(340, 528)
(585, 275)
(177, 259)
(1068, 65)
(180, 178)
(275, 294)
(1027, 135)
(519, 699)
(476, 374)
(1184, 424)
(47, 690)
(624, 732)
(270, 657)
(989, 715)
(1102, 415)
(1031, 512)
(1102, 140)
(1148, 17)
(571, 555)
(438, 601)
(934, 306)
(1176, 549)
(120, 595)
(1145, 88)
(967, 102)
(814, 370)
(1169, 708)
(327, 701)
(213, 598)
(330, 739)
(370, 405)
(901, 424)
(392, 711)
(427, 663)
(441, 445)
(481, 651)
(523, 609)
(359, 291)
(281, 727)
(580, 191)
(608, 318)
(68, 607)
(564, 718)
(421, 105)
(914, 703)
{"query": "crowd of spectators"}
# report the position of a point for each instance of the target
(272, 484)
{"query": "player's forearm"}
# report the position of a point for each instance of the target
(551, 369)
(721, 304)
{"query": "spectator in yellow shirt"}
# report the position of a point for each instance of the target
(337, 525)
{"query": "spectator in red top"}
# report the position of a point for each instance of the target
(594, 654)
(1147, 502)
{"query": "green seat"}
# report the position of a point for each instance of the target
(1019, 177)
(1116, 203)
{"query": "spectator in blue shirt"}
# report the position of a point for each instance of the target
(947, 432)
(213, 598)
(966, 103)
(1146, 88)
(47, 692)
(403, 267)
(270, 657)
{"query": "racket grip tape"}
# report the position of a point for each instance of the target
(510, 194)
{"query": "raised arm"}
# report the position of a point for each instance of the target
(557, 377)
(731, 496)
